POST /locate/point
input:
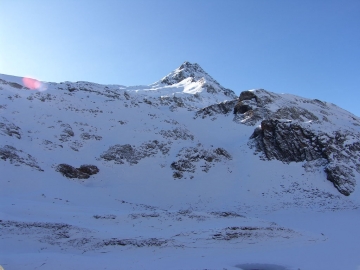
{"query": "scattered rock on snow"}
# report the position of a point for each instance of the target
(248, 232)
(190, 156)
(84, 172)
(67, 133)
(132, 154)
(10, 129)
(177, 133)
(18, 157)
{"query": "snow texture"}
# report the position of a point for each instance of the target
(173, 176)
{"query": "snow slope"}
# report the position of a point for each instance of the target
(176, 189)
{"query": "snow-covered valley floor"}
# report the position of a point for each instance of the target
(329, 241)
(67, 233)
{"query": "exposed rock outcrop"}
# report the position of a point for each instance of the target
(84, 172)
(188, 158)
(216, 109)
(132, 154)
(295, 129)
(18, 157)
(10, 129)
(257, 105)
(177, 133)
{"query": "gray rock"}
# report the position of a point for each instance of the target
(132, 154)
(67, 133)
(295, 129)
(188, 157)
(83, 172)
(294, 142)
(220, 108)
(9, 129)
(18, 157)
(177, 133)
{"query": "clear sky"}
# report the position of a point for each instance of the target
(309, 48)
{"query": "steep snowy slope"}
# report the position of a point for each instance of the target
(90, 170)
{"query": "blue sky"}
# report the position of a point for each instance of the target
(309, 48)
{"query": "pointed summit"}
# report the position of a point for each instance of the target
(189, 73)
(185, 71)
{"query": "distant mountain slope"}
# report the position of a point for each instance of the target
(177, 164)
(291, 128)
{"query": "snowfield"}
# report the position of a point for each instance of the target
(180, 184)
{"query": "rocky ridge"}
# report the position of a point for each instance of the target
(294, 129)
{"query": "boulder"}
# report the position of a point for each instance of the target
(83, 172)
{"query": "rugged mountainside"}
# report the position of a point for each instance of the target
(176, 164)
(294, 129)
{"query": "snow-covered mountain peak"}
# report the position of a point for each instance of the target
(188, 70)
(194, 80)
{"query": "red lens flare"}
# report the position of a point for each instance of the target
(32, 84)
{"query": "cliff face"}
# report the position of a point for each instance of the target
(294, 129)
(295, 142)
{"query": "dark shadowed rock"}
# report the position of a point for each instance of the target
(296, 129)
(241, 108)
(341, 177)
(83, 172)
(294, 142)
(220, 108)
(89, 169)
(247, 95)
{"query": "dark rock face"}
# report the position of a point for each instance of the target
(272, 139)
(294, 142)
(247, 109)
(220, 108)
(83, 172)
(247, 95)
(295, 129)
(241, 108)
(255, 106)
(89, 169)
